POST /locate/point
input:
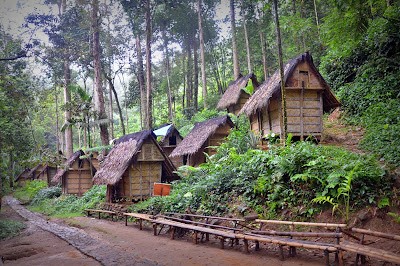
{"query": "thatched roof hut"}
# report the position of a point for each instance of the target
(41, 171)
(169, 137)
(23, 177)
(307, 96)
(211, 132)
(133, 166)
(235, 97)
(76, 174)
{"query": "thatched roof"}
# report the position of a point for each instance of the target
(199, 135)
(123, 154)
(272, 86)
(67, 164)
(165, 132)
(232, 93)
(23, 175)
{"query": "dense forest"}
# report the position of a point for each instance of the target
(102, 69)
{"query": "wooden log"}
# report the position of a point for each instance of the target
(375, 233)
(200, 223)
(204, 216)
(298, 234)
(328, 225)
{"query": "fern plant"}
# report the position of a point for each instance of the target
(343, 196)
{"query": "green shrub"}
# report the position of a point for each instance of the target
(282, 178)
(70, 205)
(26, 193)
(10, 228)
(46, 193)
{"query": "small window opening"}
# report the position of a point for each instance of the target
(172, 140)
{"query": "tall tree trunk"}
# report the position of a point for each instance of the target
(149, 121)
(264, 55)
(67, 115)
(246, 37)
(108, 68)
(68, 141)
(112, 89)
(236, 69)
(196, 74)
(281, 71)
(99, 97)
(202, 55)
(189, 76)
(316, 19)
(168, 73)
(140, 77)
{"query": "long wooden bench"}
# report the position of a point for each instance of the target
(362, 250)
(110, 213)
(326, 247)
(138, 216)
(196, 229)
(370, 252)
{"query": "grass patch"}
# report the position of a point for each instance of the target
(26, 193)
(10, 228)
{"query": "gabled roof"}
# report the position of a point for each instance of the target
(235, 88)
(67, 164)
(123, 154)
(24, 174)
(165, 132)
(260, 98)
(199, 135)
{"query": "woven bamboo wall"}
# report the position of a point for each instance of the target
(138, 180)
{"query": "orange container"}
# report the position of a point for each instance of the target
(161, 189)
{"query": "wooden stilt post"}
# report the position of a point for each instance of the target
(195, 237)
(140, 224)
(326, 254)
(281, 255)
(126, 220)
(222, 241)
(155, 229)
(172, 229)
(246, 245)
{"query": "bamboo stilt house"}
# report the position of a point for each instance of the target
(169, 137)
(132, 167)
(308, 96)
(76, 175)
(235, 96)
(204, 135)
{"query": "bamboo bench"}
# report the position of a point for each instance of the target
(362, 251)
(110, 213)
(138, 216)
(196, 229)
(326, 247)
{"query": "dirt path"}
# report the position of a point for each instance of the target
(113, 243)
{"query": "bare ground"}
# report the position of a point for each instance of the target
(116, 244)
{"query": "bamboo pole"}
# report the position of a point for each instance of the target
(298, 234)
(375, 233)
(331, 225)
(204, 216)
